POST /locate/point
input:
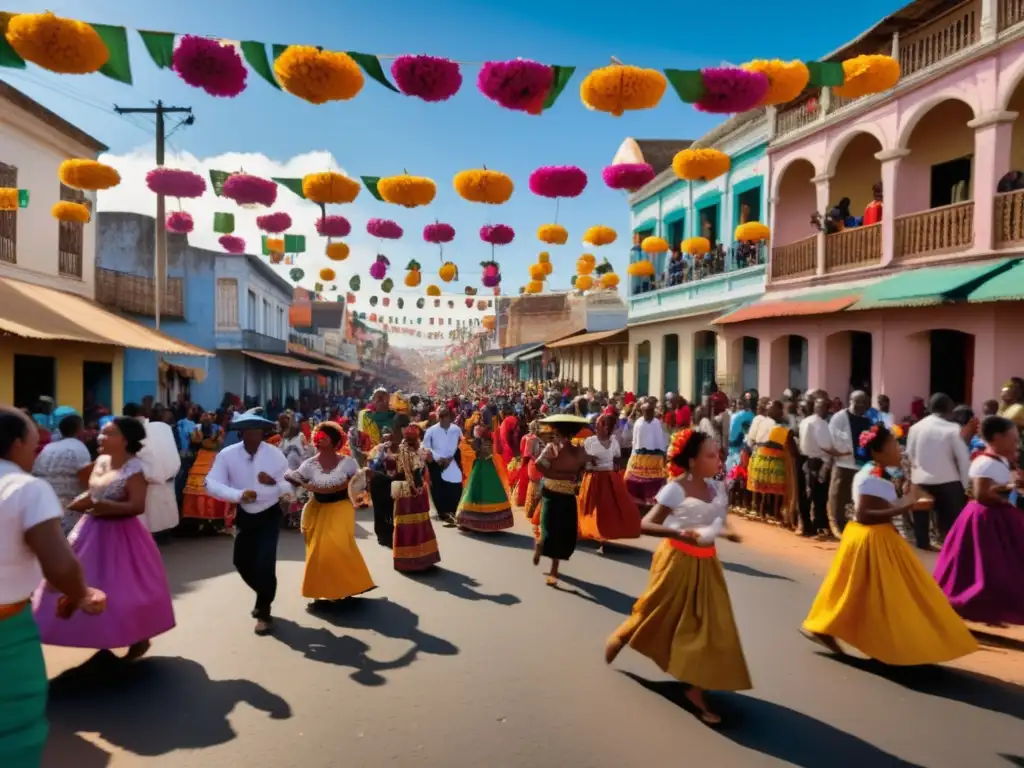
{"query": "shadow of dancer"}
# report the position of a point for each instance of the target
(150, 707)
(460, 585)
(609, 598)
(747, 570)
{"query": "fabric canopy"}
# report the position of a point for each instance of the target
(822, 303)
(590, 338)
(1007, 286)
(929, 286)
(281, 362)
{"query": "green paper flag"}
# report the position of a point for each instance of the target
(688, 84)
(263, 241)
(277, 49)
(826, 73)
(8, 58)
(562, 77)
(294, 243)
(23, 198)
(371, 186)
(217, 179)
(371, 65)
(119, 65)
(256, 55)
(160, 46)
(224, 223)
(318, 287)
(295, 185)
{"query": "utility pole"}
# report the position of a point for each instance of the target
(160, 251)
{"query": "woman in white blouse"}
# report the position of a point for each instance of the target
(684, 621)
(605, 508)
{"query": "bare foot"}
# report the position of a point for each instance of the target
(696, 697)
(827, 641)
(613, 648)
(536, 555)
(138, 650)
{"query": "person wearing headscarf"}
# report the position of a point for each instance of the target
(508, 442)
(415, 545)
(161, 460)
(376, 417)
(485, 505)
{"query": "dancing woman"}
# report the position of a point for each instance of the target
(877, 595)
(485, 506)
(645, 473)
(684, 622)
(415, 545)
(606, 510)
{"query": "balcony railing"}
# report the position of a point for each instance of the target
(8, 245)
(941, 38)
(1011, 13)
(134, 293)
(795, 259)
(691, 269)
(934, 232)
(259, 342)
(853, 248)
(1009, 219)
(798, 116)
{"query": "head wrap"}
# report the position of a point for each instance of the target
(679, 441)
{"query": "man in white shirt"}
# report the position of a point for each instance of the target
(816, 448)
(846, 428)
(161, 461)
(444, 465)
(939, 465)
(250, 474)
(645, 473)
(65, 464)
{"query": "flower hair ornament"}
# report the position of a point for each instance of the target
(678, 444)
(328, 427)
(867, 436)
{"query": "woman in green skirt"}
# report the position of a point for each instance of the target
(485, 506)
(32, 546)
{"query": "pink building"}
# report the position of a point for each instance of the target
(928, 298)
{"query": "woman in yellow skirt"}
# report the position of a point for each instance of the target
(335, 568)
(877, 595)
(684, 621)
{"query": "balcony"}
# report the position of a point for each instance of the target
(312, 341)
(135, 294)
(797, 259)
(1009, 219)
(253, 341)
(938, 231)
(853, 248)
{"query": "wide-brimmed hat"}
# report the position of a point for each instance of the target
(251, 419)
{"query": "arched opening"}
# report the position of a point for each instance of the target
(670, 343)
(788, 367)
(643, 369)
(951, 369)
(794, 240)
(750, 352)
(705, 347)
(1009, 204)
(857, 239)
(620, 368)
(848, 357)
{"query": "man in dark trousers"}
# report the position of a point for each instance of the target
(444, 465)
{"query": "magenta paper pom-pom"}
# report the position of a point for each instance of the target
(628, 176)
(379, 268)
(497, 234)
(250, 190)
(730, 89)
(205, 63)
(428, 77)
(274, 223)
(558, 181)
(439, 233)
(333, 226)
(180, 223)
(520, 84)
(386, 229)
(232, 243)
(173, 182)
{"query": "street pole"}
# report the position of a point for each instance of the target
(160, 249)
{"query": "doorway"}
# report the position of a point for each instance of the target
(671, 346)
(34, 377)
(643, 369)
(860, 361)
(704, 361)
(797, 363)
(952, 364)
(97, 384)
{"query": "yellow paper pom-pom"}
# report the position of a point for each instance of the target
(620, 87)
(584, 266)
(68, 211)
(480, 185)
(275, 245)
(640, 269)
(609, 280)
(553, 234)
(88, 174)
(8, 199)
(329, 188)
(786, 79)
(695, 246)
(413, 278)
(584, 282)
(537, 272)
(543, 257)
(60, 45)
(534, 286)
(867, 74)
(337, 251)
(489, 322)
(654, 245)
(700, 164)
(599, 235)
(410, 191)
(448, 272)
(589, 258)
(752, 232)
(547, 266)
(318, 76)
(327, 274)
(433, 290)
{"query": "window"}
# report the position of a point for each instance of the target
(951, 182)
(71, 237)
(708, 223)
(227, 302)
(266, 330)
(749, 206)
(251, 312)
(281, 330)
(675, 234)
(8, 219)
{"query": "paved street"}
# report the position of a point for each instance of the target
(480, 664)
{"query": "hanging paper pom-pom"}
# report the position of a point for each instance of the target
(451, 305)
(489, 322)
(628, 176)
(448, 272)
(491, 275)
(420, 304)
(433, 290)
(480, 185)
(337, 251)
(249, 190)
(470, 290)
(620, 87)
(534, 286)
(385, 229)
(731, 89)
(8, 198)
(180, 223)
(400, 302)
(60, 45)
(786, 79)
(584, 282)
(354, 283)
(209, 64)
(558, 181)
(599, 235)
(407, 191)
(350, 298)
(232, 243)
(386, 286)
(519, 84)
(640, 269)
(438, 233)
(537, 272)
(333, 226)
(585, 264)
(277, 256)
(427, 77)
(173, 182)
(868, 74)
(481, 305)
(609, 280)
(700, 164)
(296, 274)
(275, 223)
(469, 303)
(73, 212)
(274, 245)
(553, 234)
(654, 245)
(752, 232)
(695, 246)
(379, 268)
(373, 301)
(414, 275)
(373, 315)
(318, 76)
(497, 234)
(88, 175)
(329, 188)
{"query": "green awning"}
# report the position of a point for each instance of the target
(1008, 287)
(646, 224)
(930, 286)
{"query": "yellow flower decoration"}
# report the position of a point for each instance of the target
(329, 188)
(448, 272)
(327, 274)
(589, 258)
(537, 272)
(752, 232)
(337, 251)
(620, 87)
(8, 199)
(700, 164)
(60, 45)
(695, 246)
(867, 74)
(275, 245)
(534, 286)
(654, 245)
(480, 185)
(609, 280)
(786, 79)
(543, 257)
(553, 234)
(584, 266)
(410, 191)
(599, 235)
(318, 76)
(584, 282)
(68, 211)
(489, 322)
(433, 290)
(547, 266)
(413, 278)
(640, 269)
(88, 174)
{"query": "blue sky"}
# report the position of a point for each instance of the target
(382, 133)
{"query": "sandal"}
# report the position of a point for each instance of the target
(826, 641)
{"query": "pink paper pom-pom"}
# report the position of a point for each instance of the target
(379, 268)
(628, 176)
(274, 223)
(558, 181)
(208, 64)
(439, 233)
(497, 234)
(731, 89)
(519, 84)
(180, 223)
(428, 77)
(386, 229)
(333, 226)
(232, 243)
(174, 182)
(250, 190)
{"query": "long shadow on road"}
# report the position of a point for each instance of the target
(460, 585)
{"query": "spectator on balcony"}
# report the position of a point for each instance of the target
(675, 268)
(873, 210)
